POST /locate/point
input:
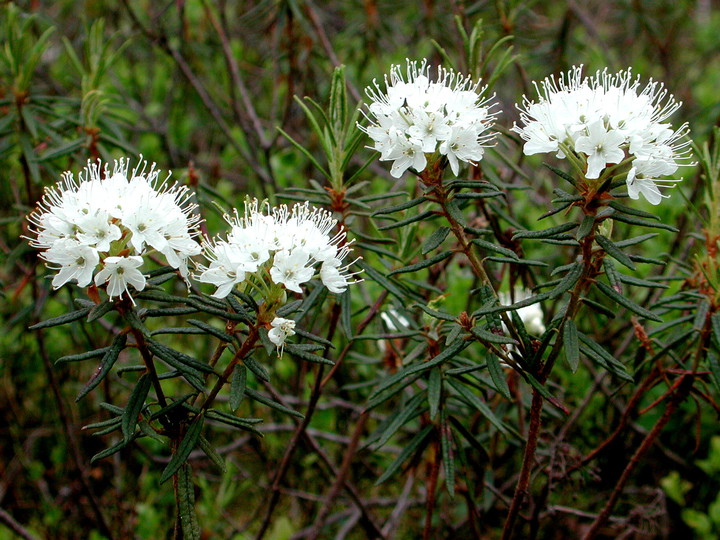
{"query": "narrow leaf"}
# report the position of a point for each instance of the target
(398, 207)
(401, 417)
(435, 239)
(626, 302)
(186, 446)
(107, 362)
(135, 405)
(545, 233)
(571, 346)
(62, 319)
(498, 375)
(434, 391)
(568, 281)
(417, 444)
(479, 404)
(614, 251)
(237, 386)
(446, 445)
(272, 404)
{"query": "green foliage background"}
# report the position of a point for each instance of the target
(201, 88)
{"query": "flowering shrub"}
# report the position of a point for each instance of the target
(487, 348)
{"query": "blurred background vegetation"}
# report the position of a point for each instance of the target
(201, 87)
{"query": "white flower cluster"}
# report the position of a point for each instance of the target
(607, 119)
(284, 244)
(418, 117)
(111, 218)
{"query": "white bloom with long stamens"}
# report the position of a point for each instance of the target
(278, 246)
(414, 117)
(607, 119)
(280, 331)
(80, 224)
(118, 273)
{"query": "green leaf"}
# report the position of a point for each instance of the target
(517, 305)
(434, 391)
(632, 280)
(479, 404)
(715, 325)
(568, 281)
(544, 392)
(440, 315)
(454, 212)
(435, 239)
(111, 450)
(614, 251)
(62, 150)
(186, 446)
(585, 227)
(497, 374)
(446, 445)
(345, 316)
(107, 362)
(571, 346)
(398, 207)
(338, 98)
(407, 221)
(257, 368)
(210, 452)
(612, 275)
(511, 260)
(237, 386)
(632, 211)
(561, 174)
(626, 302)
(597, 307)
(714, 365)
(101, 310)
(209, 329)
(186, 360)
(401, 417)
(449, 352)
(135, 405)
(252, 394)
(62, 319)
(97, 353)
(489, 246)
(595, 352)
(643, 222)
(246, 424)
(384, 282)
(545, 233)
(297, 351)
(416, 445)
(491, 337)
(422, 264)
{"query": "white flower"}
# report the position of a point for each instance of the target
(290, 269)
(76, 261)
(606, 119)
(118, 273)
(601, 147)
(79, 224)
(282, 247)
(414, 118)
(280, 331)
